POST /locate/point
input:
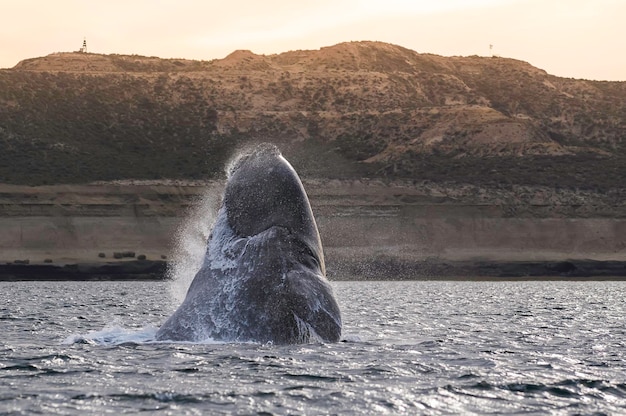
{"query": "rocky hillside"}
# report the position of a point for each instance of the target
(349, 110)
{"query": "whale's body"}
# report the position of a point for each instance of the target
(263, 277)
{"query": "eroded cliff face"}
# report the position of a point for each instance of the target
(359, 220)
(68, 223)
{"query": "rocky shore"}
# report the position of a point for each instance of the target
(378, 269)
(435, 269)
(119, 270)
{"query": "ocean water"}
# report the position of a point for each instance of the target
(424, 347)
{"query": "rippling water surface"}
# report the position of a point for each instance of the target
(427, 347)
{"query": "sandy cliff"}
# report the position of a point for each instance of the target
(360, 222)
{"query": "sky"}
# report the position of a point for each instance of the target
(568, 38)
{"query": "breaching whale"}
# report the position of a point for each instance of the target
(263, 276)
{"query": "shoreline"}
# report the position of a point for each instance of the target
(111, 270)
(387, 269)
(441, 269)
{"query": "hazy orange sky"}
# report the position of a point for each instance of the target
(570, 38)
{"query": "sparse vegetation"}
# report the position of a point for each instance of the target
(354, 109)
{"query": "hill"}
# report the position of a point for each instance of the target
(350, 110)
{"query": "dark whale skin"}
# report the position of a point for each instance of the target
(263, 277)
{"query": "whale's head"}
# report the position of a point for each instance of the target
(264, 192)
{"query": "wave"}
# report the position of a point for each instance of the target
(114, 335)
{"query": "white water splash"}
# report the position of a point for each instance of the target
(191, 238)
(191, 244)
(113, 335)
